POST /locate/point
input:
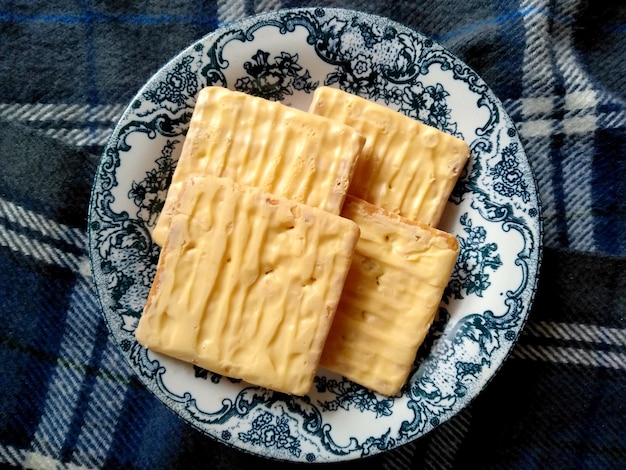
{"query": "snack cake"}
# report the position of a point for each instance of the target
(247, 283)
(262, 143)
(390, 298)
(405, 167)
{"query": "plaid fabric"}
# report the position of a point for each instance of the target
(68, 69)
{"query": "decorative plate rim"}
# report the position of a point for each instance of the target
(150, 371)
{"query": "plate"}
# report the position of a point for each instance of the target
(494, 211)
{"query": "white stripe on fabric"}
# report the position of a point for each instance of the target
(105, 404)
(267, 5)
(533, 105)
(66, 381)
(576, 123)
(537, 105)
(85, 268)
(81, 137)
(11, 455)
(29, 112)
(230, 10)
(575, 126)
(41, 251)
(577, 332)
(33, 460)
(580, 125)
(537, 128)
(31, 220)
(570, 355)
(581, 100)
(39, 461)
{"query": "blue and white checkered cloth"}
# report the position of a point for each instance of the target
(67, 71)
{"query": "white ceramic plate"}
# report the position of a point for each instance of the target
(494, 212)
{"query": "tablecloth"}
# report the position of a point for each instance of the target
(67, 71)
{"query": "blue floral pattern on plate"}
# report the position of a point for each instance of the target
(494, 211)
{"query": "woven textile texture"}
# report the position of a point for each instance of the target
(69, 68)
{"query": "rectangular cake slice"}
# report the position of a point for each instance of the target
(405, 167)
(257, 142)
(390, 298)
(247, 284)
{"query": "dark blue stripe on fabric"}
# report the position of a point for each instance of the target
(147, 434)
(556, 153)
(558, 140)
(207, 10)
(514, 15)
(510, 62)
(34, 300)
(92, 74)
(575, 288)
(136, 19)
(57, 188)
(249, 6)
(92, 372)
(583, 430)
(609, 191)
